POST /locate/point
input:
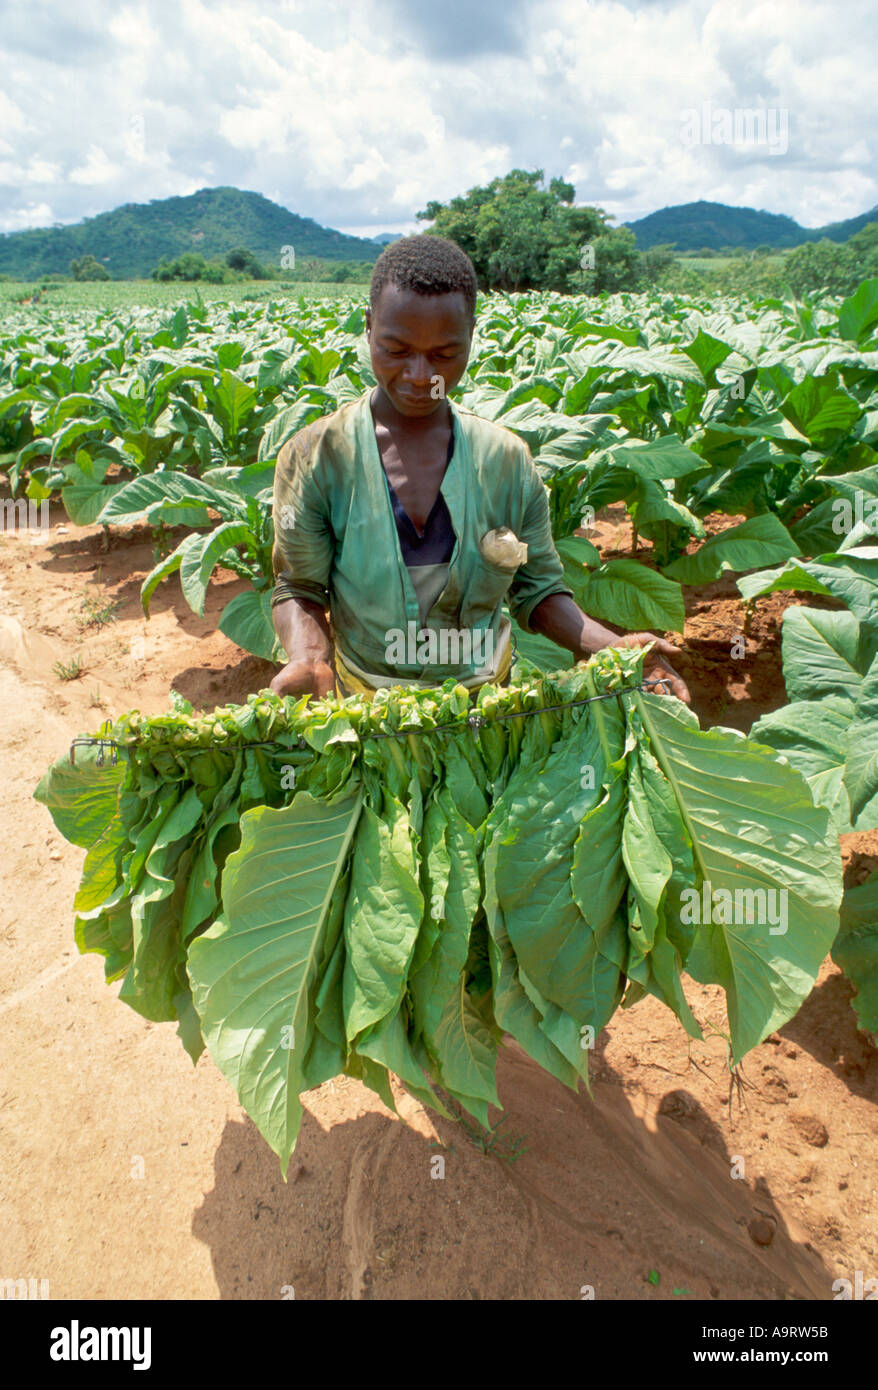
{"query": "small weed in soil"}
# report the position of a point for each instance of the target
(488, 1141)
(69, 671)
(94, 613)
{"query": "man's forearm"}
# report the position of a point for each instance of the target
(303, 631)
(559, 619)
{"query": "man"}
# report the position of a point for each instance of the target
(412, 520)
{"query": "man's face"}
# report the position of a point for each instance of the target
(419, 346)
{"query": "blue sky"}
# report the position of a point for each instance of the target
(358, 113)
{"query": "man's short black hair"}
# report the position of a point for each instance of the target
(426, 265)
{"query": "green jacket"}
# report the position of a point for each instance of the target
(336, 541)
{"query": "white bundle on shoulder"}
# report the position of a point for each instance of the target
(503, 548)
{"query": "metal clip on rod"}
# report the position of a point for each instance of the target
(100, 744)
(663, 684)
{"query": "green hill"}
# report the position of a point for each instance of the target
(132, 239)
(841, 231)
(691, 226)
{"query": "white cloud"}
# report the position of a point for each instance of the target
(857, 154)
(98, 168)
(131, 27)
(358, 114)
(12, 118)
(42, 171)
(368, 171)
(32, 215)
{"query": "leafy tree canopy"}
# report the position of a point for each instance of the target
(838, 268)
(522, 235)
(87, 268)
(192, 266)
(245, 261)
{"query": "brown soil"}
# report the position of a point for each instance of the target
(127, 1174)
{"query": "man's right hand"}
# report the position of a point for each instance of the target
(302, 628)
(305, 677)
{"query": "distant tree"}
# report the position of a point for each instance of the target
(656, 262)
(681, 277)
(618, 263)
(564, 192)
(834, 266)
(522, 235)
(750, 274)
(313, 268)
(87, 268)
(823, 264)
(191, 266)
(350, 270)
(246, 263)
(865, 240)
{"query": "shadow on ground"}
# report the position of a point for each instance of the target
(577, 1194)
